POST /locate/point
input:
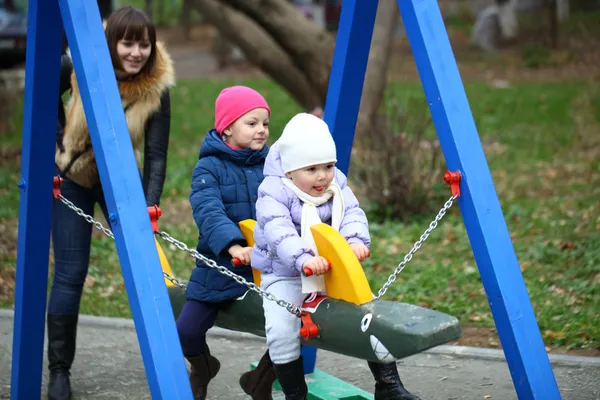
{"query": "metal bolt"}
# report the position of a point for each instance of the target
(113, 219)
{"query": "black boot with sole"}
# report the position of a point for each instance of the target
(259, 383)
(62, 334)
(204, 368)
(291, 379)
(388, 385)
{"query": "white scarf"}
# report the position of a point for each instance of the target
(310, 217)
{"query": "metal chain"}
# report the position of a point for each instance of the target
(109, 233)
(416, 246)
(88, 218)
(292, 308)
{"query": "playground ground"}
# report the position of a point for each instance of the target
(108, 365)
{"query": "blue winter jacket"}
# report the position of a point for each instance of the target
(224, 192)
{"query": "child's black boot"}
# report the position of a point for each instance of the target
(388, 385)
(204, 368)
(259, 383)
(291, 379)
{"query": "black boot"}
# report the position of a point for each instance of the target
(291, 379)
(259, 383)
(388, 385)
(204, 368)
(62, 332)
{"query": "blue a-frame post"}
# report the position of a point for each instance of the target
(484, 221)
(150, 306)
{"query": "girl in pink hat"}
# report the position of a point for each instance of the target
(224, 191)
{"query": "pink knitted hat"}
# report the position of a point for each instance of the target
(235, 101)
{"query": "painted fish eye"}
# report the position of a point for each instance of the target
(366, 322)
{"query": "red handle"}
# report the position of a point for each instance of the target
(236, 262)
(307, 271)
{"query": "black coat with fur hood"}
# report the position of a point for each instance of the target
(147, 106)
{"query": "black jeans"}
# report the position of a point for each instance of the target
(71, 239)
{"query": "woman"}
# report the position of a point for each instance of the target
(144, 72)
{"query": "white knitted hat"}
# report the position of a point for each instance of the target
(306, 141)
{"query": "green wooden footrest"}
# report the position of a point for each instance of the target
(322, 386)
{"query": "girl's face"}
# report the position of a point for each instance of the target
(314, 179)
(250, 131)
(134, 54)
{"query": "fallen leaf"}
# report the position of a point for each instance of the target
(567, 246)
(109, 290)
(557, 290)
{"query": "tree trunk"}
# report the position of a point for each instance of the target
(261, 49)
(296, 52)
(562, 9)
(553, 17)
(386, 23)
(160, 13)
(105, 7)
(185, 19)
(149, 9)
(309, 46)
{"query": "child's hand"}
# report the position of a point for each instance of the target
(318, 265)
(361, 251)
(241, 253)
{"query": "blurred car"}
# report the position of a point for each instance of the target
(13, 34)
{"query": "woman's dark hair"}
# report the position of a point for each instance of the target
(129, 23)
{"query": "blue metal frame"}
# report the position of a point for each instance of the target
(490, 240)
(345, 90)
(502, 279)
(35, 209)
(147, 292)
(492, 247)
(142, 273)
(347, 76)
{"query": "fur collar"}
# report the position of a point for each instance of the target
(141, 98)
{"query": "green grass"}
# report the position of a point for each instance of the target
(542, 148)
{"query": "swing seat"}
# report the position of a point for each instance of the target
(349, 320)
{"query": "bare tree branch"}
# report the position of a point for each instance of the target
(310, 46)
(386, 23)
(261, 49)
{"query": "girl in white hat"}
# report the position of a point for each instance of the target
(302, 187)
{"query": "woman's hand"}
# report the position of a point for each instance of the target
(241, 253)
(318, 265)
(361, 251)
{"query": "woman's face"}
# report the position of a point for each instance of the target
(134, 54)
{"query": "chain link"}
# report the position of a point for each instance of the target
(416, 246)
(292, 308)
(88, 218)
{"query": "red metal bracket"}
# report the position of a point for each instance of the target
(155, 213)
(453, 179)
(56, 188)
(309, 328)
